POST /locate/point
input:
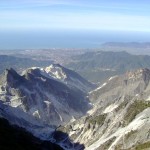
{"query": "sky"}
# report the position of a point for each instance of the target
(120, 15)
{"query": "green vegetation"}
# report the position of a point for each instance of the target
(119, 147)
(98, 119)
(134, 109)
(93, 65)
(143, 146)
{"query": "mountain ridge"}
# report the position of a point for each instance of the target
(20, 63)
(120, 115)
(100, 65)
(41, 100)
(115, 114)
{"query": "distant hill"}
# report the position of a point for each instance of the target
(98, 66)
(20, 63)
(128, 44)
(136, 48)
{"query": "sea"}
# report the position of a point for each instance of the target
(39, 39)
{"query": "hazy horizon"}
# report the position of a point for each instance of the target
(72, 24)
(66, 39)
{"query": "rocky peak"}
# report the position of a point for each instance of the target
(11, 72)
(31, 73)
(139, 74)
(38, 94)
(11, 77)
(120, 113)
(131, 83)
(61, 74)
(56, 71)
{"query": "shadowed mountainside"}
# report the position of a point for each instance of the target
(13, 137)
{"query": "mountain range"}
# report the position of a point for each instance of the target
(58, 105)
(20, 63)
(100, 65)
(119, 118)
(40, 99)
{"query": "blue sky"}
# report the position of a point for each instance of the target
(126, 15)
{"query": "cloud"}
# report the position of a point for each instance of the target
(64, 20)
(6, 4)
(73, 14)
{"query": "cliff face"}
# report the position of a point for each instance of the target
(120, 117)
(42, 98)
(114, 116)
